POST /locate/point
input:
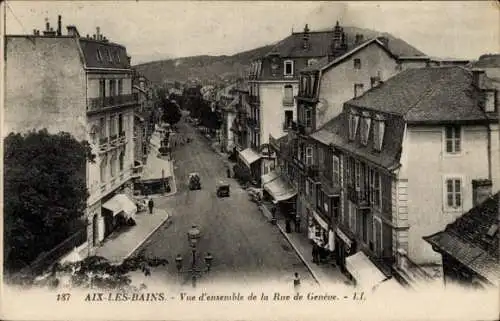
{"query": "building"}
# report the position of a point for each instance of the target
(81, 85)
(490, 63)
(274, 80)
(227, 101)
(469, 245)
(441, 120)
(144, 120)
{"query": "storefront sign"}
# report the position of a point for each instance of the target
(320, 220)
(343, 237)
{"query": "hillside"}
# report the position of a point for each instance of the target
(205, 68)
(217, 69)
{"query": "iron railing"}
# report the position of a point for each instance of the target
(99, 103)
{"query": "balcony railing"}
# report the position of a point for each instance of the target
(288, 102)
(99, 103)
(359, 196)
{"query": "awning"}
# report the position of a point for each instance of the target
(266, 178)
(249, 156)
(366, 274)
(121, 203)
(320, 220)
(279, 190)
(156, 168)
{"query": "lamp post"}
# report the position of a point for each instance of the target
(193, 236)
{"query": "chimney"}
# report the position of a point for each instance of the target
(47, 24)
(384, 41)
(306, 37)
(72, 31)
(481, 190)
(98, 33)
(59, 27)
(478, 76)
(359, 38)
(34, 32)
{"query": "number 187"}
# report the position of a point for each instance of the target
(63, 296)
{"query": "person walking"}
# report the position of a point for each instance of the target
(297, 222)
(315, 252)
(151, 204)
(296, 282)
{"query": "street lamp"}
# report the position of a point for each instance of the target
(193, 235)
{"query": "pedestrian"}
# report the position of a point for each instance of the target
(315, 253)
(151, 204)
(297, 223)
(228, 171)
(296, 282)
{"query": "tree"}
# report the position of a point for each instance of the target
(171, 112)
(45, 193)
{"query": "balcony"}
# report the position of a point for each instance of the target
(359, 196)
(288, 102)
(103, 144)
(102, 103)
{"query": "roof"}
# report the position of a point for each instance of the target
(325, 64)
(426, 95)
(319, 43)
(487, 61)
(467, 240)
(118, 54)
(336, 132)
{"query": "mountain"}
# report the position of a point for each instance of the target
(220, 69)
(204, 68)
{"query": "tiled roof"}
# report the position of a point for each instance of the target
(118, 54)
(487, 61)
(336, 132)
(319, 43)
(426, 95)
(467, 240)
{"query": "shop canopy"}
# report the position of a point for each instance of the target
(279, 189)
(156, 168)
(366, 274)
(266, 178)
(249, 156)
(121, 203)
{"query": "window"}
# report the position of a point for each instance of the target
(365, 128)
(288, 67)
(103, 170)
(102, 127)
(311, 61)
(357, 174)
(288, 95)
(122, 157)
(303, 82)
(110, 59)
(353, 212)
(113, 166)
(308, 188)
(99, 55)
(112, 87)
(358, 90)
(311, 85)
(288, 118)
(364, 226)
(378, 133)
(117, 55)
(353, 124)
(377, 234)
(308, 118)
(309, 155)
(120, 87)
(102, 88)
(357, 63)
(120, 123)
(376, 189)
(454, 193)
(453, 143)
(336, 169)
(112, 125)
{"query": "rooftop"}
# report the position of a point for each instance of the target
(473, 239)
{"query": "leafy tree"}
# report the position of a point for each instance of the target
(98, 272)
(171, 112)
(45, 192)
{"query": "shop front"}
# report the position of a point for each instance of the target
(345, 246)
(282, 195)
(321, 236)
(118, 211)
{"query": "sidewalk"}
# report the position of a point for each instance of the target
(324, 274)
(122, 244)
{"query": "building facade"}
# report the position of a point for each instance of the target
(81, 85)
(441, 119)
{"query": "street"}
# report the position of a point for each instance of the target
(245, 246)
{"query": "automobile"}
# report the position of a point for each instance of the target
(194, 181)
(223, 189)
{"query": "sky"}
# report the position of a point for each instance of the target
(154, 30)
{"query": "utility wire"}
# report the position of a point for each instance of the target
(18, 20)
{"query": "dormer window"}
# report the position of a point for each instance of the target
(117, 55)
(365, 127)
(311, 87)
(288, 67)
(110, 59)
(99, 55)
(312, 61)
(353, 124)
(378, 132)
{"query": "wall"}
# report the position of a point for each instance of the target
(230, 134)
(337, 83)
(272, 112)
(45, 86)
(411, 64)
(424, 151)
